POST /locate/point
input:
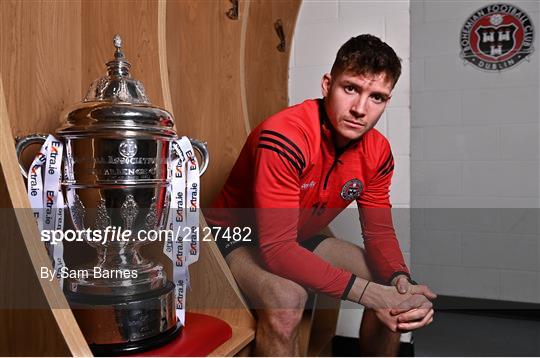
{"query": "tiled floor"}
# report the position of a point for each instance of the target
(457, 334)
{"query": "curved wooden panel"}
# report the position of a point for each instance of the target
(266, 68)
(51, 52)
(40, 56)
(26, 299)
(203, 50)
(40, 76)
(137, 24)
(203, 61)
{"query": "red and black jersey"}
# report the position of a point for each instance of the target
(291, 172)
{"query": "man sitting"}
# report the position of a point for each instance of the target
(297, 170)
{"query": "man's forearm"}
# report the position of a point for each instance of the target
(382, 247)
(368, 294)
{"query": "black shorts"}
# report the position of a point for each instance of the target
(226, 247)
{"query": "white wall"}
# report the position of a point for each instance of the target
(475, 149)
(322, 27)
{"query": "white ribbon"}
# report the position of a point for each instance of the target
(46, 197)
(192, 200)
(184, 190)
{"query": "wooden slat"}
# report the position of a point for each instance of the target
(24, 311)
(266, 69)
(40, 56)
(137, 24)
(163, 58)
(266, 88)
(214, 291)
(240, 338)
(52, 325)
(203, 49)
(202, 83)
(40, 76)
(203, 77)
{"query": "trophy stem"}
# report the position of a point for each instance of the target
(118, 257)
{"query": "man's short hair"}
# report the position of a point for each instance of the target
(367, 54)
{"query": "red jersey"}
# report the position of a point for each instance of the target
(291, 172)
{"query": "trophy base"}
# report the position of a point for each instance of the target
(116, 324)
(107, 350)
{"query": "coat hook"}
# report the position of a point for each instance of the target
(278, 25)
(232, 13)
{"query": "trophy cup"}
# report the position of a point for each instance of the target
(117, 147)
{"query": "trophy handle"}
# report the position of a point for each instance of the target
(203, 151)
(22, 143)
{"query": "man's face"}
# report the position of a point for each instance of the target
(354, 103)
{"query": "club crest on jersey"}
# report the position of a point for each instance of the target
(352, 189)
(497, 37)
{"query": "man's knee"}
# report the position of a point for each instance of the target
(283, 294)
(285, 301)
(282, 322)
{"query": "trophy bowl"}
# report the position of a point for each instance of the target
(116, 174)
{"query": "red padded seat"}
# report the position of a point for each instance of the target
(200, 336)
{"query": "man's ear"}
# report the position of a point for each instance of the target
(326, 82)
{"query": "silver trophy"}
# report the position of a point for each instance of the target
(116, 170)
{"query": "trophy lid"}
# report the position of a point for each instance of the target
(117, 101)
(117, 86)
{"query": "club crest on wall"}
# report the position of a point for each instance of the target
(497, 37)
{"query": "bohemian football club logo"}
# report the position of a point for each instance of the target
(351, 190)
(497, 37)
